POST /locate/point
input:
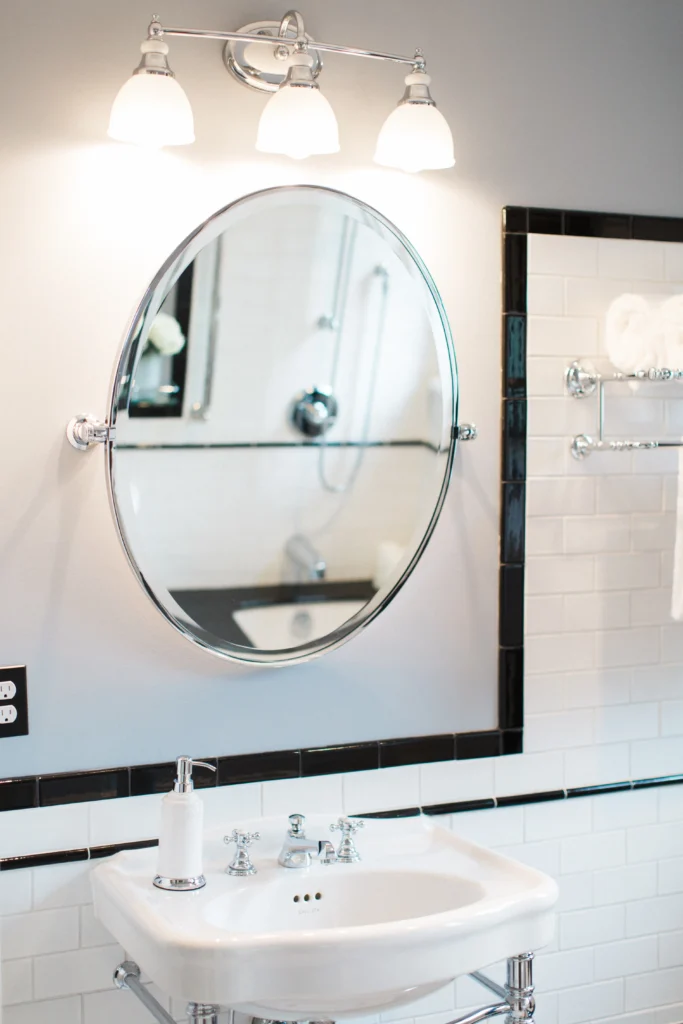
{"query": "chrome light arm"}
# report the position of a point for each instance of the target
(417, 60)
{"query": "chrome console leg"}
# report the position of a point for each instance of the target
(127, 975)
(202, 1013)
(519, 989)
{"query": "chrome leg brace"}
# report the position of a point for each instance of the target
(127, 975)
(518, 1006)
(518, 994)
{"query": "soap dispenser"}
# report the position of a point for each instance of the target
(179, 866)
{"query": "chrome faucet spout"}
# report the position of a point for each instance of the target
(298, 851)
(303, 562)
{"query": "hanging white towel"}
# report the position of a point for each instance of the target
(677, 589)
(641, 333)
(629, 338)
(670, 330)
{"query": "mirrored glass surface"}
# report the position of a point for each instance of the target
(284, 410)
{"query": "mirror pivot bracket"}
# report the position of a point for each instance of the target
(466, 432)
(85, 431)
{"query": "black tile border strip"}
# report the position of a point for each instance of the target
(513, 481)
(35, 860)
(530, 220)
(266, 766)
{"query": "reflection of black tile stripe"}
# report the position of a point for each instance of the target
(215, 608)
(431, 810)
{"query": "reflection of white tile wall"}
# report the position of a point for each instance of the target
(604, 703)
(222, 518)
(270, 343)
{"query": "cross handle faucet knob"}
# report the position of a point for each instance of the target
(241, 838)
(347, 852)
(241, 863)
(346, 826)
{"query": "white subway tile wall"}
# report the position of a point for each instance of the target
(603, 699)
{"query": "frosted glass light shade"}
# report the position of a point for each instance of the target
(415, 137)
(152, 110)
(298, 121)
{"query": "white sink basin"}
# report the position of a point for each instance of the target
(280, 626)
(421, 908)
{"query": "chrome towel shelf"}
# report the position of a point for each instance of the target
(581, 382)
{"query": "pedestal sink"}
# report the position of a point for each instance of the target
(422, 907)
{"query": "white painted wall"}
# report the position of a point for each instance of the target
(548, 108)
(101, 219)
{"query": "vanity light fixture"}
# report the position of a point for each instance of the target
(151, 109)
(298, 121)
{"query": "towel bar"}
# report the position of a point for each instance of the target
(582, 381)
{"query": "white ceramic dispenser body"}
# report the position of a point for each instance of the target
(181, 837)
(180, 861)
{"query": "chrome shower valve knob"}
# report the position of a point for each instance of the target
(347, 852)
(241, 863)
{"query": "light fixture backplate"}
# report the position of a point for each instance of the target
(247, 74)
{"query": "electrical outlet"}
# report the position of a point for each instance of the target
(14, 688)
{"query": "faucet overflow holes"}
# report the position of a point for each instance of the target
(307, 897)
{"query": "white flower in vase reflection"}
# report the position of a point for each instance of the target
(165, 335)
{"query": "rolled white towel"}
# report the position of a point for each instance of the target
(669, 328)
(629, 338)
(677, 588)
(166, 334)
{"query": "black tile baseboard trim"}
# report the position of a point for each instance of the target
(36, 860)
(267, 766)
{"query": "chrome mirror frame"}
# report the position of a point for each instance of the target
(151, 301)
